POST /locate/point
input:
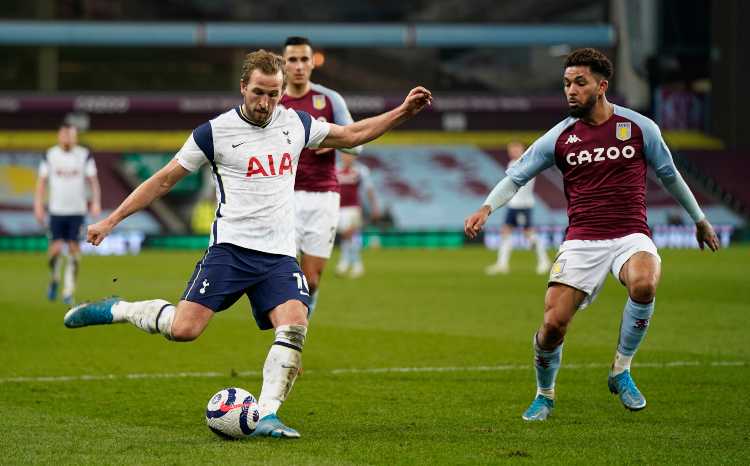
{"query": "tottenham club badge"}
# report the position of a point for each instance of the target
(319, 102)
(623, 131)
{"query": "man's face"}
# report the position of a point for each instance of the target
(299, 63)
(582, 88)
(67, 136)
(515, 150)
(261, 93)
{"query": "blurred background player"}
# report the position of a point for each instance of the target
(316, 187)
(68, 168)
(519, 216)
(354, 180)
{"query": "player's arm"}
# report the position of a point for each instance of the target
(93, 181)
(96, 196)
(363, 131)
(342, 117)
(660, 158)
(538, 157)
(153, 188)
(39, 193)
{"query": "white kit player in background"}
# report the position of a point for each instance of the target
(67, 168)
(253, 151)
(519, 216)
(354, 180)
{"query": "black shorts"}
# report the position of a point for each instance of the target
(65, 227)
(227, 271)
(518, 218)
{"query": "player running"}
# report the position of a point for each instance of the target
(354, 179)
(253, 151)
(316, 189)
(602, 151)
(68, 168)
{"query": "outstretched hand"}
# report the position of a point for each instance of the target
(474, 222)
(96, 232)
(417, 100)
(705, 234)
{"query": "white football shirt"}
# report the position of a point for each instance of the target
(66, 172)
(254, 168)
(524, 198)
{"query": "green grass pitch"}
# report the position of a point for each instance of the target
(424, 360)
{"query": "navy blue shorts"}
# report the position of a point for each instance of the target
(227, 271)
(66, 227)
(518, 218)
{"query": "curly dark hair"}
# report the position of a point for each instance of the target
(596, 61)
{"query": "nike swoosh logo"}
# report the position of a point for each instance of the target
(234, 146)
(285, 133)
(225, 407)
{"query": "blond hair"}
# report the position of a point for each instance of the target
(264, 61)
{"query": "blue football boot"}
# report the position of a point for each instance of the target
(540, 409)
(52, 291)
(622, 384)
(271, 426)
(97, 313)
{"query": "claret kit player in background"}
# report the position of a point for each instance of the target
(603, 151)
(253, 151)
(67, 168)
(316, 189)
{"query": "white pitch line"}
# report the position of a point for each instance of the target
(373, 370)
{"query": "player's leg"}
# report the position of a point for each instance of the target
(280, 302)
(312, 267)
(504, 249)
(55, 262)
(560, 305)
(345, 259)
(71, 272)
(358, 267)
(640, 274)
(542, 261)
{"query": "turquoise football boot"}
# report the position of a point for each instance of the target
(98, 313)
(622, 384)
(271, 426)
(540, 409)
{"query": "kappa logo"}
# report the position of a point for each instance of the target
(205, 285)
(572, 139)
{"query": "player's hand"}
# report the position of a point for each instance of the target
(96, 232)
(39, 215)
(474, 222)
(418, 99)
(704, 233)
(95, 210)
(324, 150)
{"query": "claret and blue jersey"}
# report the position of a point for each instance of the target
(604, 171)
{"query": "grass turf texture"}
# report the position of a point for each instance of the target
(420, 309)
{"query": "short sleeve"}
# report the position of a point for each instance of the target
(315, 131)
(43, 168)
(198, 148)
(90, 166)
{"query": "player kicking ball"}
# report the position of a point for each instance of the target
(253, 151)
(602, 151)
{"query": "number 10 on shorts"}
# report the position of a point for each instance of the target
(301, 283)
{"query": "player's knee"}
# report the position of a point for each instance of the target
(642, 290)
(186, 330)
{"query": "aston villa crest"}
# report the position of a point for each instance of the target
(623, 131)
(319, 102)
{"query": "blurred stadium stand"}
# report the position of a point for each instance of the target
(138, 76)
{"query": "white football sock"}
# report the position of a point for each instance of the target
(621, 364)
(281, 367)
(55, 264)
(503, 252)
(153, 316)
(71, 271)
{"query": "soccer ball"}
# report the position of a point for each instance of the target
(232, 413)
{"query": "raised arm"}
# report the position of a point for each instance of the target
(366, 130)
(156, 186)
(39, 193)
